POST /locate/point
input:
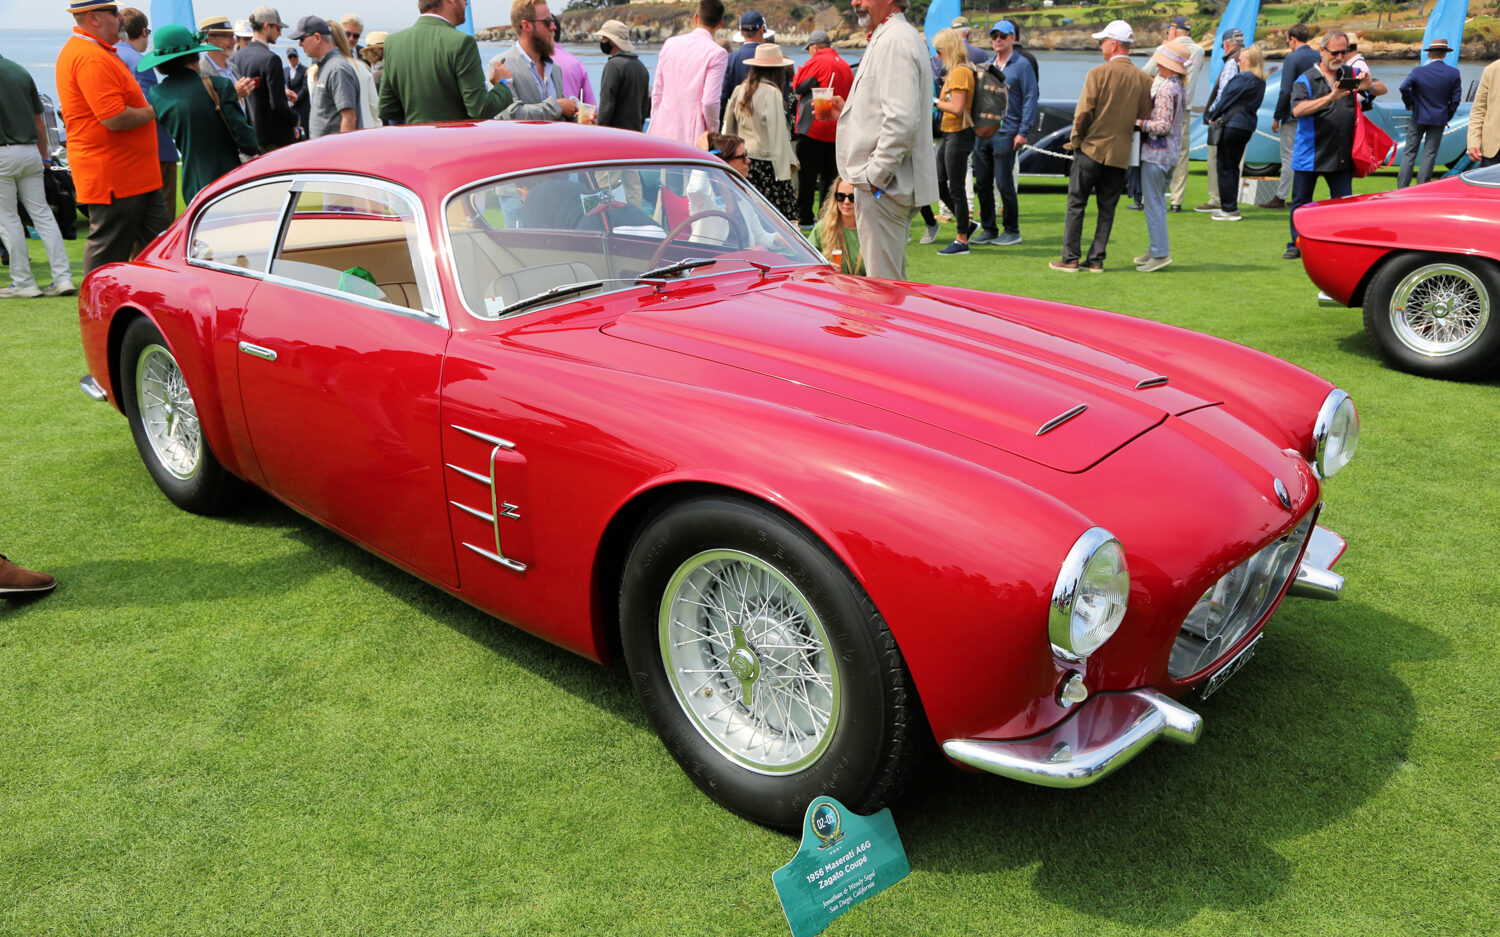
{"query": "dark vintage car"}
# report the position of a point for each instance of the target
(818, 515)
(1424, 262)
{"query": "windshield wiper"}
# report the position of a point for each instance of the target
(563, 290)
(681, 266)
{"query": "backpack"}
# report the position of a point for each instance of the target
(991, 98)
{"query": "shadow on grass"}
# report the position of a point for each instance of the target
(1305, 735)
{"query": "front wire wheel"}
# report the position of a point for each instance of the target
(763, 665)
(749, 661)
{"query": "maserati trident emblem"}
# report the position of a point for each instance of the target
(1286, 499)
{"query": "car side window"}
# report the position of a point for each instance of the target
(357, 239)
(239, 229)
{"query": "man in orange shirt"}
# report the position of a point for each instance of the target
(111, 138)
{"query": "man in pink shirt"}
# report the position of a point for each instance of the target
(689, 76)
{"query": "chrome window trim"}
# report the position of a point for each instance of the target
(1468, 175)
(287, 177)
(424, 263)
(742, 182)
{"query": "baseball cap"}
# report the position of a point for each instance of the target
(752, 20)
(1118, 30)
(1232, 35)
(959, 22)
(1003, 28)
(266, 16)
(310, 25)
(1180, 22)
(819, 37)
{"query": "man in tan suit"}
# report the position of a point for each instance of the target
(1484, 120)
(884, 140)
(1115, 96)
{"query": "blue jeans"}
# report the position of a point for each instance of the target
(1154, 181)
(1424, 137)
(994, 164)
(1303, 184)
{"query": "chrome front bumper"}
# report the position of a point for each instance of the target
(1328, 302)
(1315, 577)
(1112, 728)
(1107, 731)
(89, 386)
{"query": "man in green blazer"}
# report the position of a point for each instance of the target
(432, 71)
(211, 137)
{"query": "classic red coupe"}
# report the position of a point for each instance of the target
(1424, 262)
(592, 383)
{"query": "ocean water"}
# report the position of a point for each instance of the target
(1062, 73)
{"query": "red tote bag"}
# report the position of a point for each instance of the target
(1373, 147)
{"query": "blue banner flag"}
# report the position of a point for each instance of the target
(939, 15)
(166, 12)
(1446, 22)
(1241, 15)
(468, 24)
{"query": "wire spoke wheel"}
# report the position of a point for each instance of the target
(168, 415)
(1439, 309)
(748, 659)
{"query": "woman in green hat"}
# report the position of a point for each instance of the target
(201, 112)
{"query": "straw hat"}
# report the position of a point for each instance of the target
(377, 38)
(768, 55)
(1174, 56)
(1438, 45)
(215, 24)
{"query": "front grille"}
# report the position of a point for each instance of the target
(1227, 611)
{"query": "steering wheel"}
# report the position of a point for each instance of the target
(682, 225)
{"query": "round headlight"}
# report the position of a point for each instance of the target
(1335, 434)
(1088, 602)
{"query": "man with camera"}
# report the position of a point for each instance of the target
(1323, 103)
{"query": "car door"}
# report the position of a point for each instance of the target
(340, 362)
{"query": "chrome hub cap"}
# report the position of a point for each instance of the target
(168, 414)
(749, 661)
(1439, 309)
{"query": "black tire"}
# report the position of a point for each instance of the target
(172, 446)
(1435, 315)
(1261, 169)
(808, 610)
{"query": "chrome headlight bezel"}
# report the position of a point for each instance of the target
(1335, 434)
(1095, 572)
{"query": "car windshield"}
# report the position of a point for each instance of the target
(521, 237)
(1486, 175)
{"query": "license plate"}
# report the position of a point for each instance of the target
(1230, 669)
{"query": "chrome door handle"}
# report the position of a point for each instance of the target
(257, 351)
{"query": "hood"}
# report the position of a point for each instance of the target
(893, 347)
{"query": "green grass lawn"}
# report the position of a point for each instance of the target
(246, 725)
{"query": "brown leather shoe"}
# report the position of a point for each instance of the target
(18, 581)
(1274, 203)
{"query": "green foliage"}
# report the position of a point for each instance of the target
(1353, 9)
(1307, 13)
(247, 725)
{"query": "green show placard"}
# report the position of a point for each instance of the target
(844, 859)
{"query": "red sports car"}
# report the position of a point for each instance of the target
(1423, 263)
(592, 383)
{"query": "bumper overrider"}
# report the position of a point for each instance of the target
(1109, 729)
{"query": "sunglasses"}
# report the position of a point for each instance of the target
(353, 37)
(843, 196)
(1337, 53)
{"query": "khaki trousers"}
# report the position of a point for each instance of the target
(883, 226)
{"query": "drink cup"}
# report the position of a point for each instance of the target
(587, 113)
(822, 99)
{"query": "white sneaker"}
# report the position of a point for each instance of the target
(1222, 215)
(930, 236)
(63, 288)
(18, 292)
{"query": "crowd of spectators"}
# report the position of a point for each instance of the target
(137, 108)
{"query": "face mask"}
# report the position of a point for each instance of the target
(605, 47)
